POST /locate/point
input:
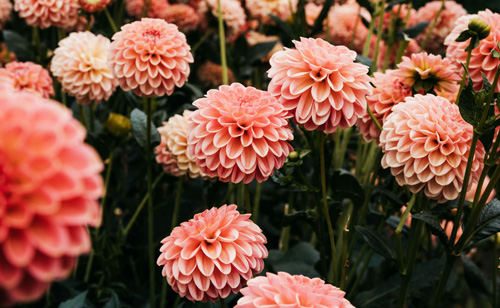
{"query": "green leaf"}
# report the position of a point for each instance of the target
(138, 120)
(318, 23)
(393, 222)
(467, 103)
(381, 244)
(346, 185)
(114, 301)
(475, 277)
(299, 260)
(414, 31)
(196, 91)
(464, 36)
(19, 45)
(285, 27)
(75, 302)
(488, 223)
(364, 60)
(258, 51)
(434, 225)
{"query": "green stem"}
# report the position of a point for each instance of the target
(467, 62)
(247, 199)
(201, 40)
(433, 25)
(222, 42)
(374, 119)
(371, 28)
(495, 270)
(256, 202)
(92, 119)
(110, 20)
(326, 212)
(163, 300)
(361, 273)
(222, 302)
(83, 116)
(178, 195)
(379, 35)
(450, 262)
(285, 231)
(141, 206)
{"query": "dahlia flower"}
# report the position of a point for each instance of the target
(92, 6)
(428, 72)
(80, 65)
(261, 9)
(472, 192)
(445, 23)
(150, 57)
(29, 76)
(239, 134)
(134, 8)
(46, 13)
(182, 15)
(482, 61)
(312, 12)
(233, 15)
(210, 74)
(426, 144)
(6, 55)
(320, 84)
(285, 290)
(49, 188)
(253, 38)
(172, 152)
(213, 254)
(388, 92)
(5, 12)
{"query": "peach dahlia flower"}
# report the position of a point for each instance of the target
(46, 13)
(388, 92)
(150, 57)
(92, 6)
(261, 9)
(182, 15)
(29, 76)
(49, 189)
(239, 134)
(320, 84)
(482, 61)
(5, 12)
(284, 290)
(134, 8)
(172, 152)
(233, 15)
(426, 144)
(80, 65)
(213, 254)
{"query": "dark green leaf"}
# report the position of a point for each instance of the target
(114, 301)
(434, 225)
(299, 260)
(138, 120)
(285, 27)
(475, 277)
(364, 60)
(467, 103)
(19, 45)
(381, 244)
(75, 302)
(258, 51)
(488, 223)
(464, 36)
(414, 31)
(487, 138)
(196, 91)
(346, 185)
(393, 222)
(393, 3)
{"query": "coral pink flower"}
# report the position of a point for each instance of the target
(5, 12)
(46, 13)
(445, 23)
(482, 61)
(312, 13)
(29, 76)
(426, 144)
(320, 84)
(213, 254)
(388, 92)
(93, 5)
(284, 290)
(233, 15)
(182, 15)
(49, 188)
(448, 229)
(150, 57)
(134, 8)
(261, 9)
(428, 72)
(80, 65)
(470, 194)
(172, 152)
(239, 134)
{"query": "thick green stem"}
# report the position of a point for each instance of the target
(177, 206)
(379, 35)
(371, 28)
(247, 200)
(222, 42)
(450, 262)
(467, 62)
(433, 25)
(256, 202)
(83, 116)
(110, 20)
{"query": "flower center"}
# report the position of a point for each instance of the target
(151, 35)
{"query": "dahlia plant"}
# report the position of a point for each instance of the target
(227, 153)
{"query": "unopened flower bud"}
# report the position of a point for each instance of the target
(480, 27)
(293, 156)
(118, 125)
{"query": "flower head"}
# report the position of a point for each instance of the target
(172, 152)
(233, 15)
(388, 92)
(182, 15)
(46, 13)
(320, 84)
(80, 65)
(29, 76)
(213, 254)
(428, 72)
(49, 189)
(239, 134)
(134, 8)
(261, 9)
(93, 5)
(312, 12)
(5, 12)
(210, 74)
(150, 57)
(285, 290)
(481, 61)
(426, 144)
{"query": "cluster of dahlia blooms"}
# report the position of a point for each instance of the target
(28, 76)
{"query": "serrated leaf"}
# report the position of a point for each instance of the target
(75, 302)
(19, 45)
(381, 244)
(414, 31)
(258, 51)
(138, 119)
(488, 223)
(434, 225)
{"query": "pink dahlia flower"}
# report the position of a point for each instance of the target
(320, 84)
(46, 13)
(261, 9)
(445, 23)
(182, 15)
(239, 134)
(172, 152)
(312, 12)
(470, 194)
(388, 92)
(233, 14)
(428, 72)
(213, 254)
(29, 76)
(426, 144)
(49, 189)
(5, 12)
(134, 8)
(92, 6)
(285, 290)
(482, 61)
(150, 57)
(80, 65)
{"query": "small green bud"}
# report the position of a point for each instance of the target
(118, 125)
(293, 156)
(480, 27)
